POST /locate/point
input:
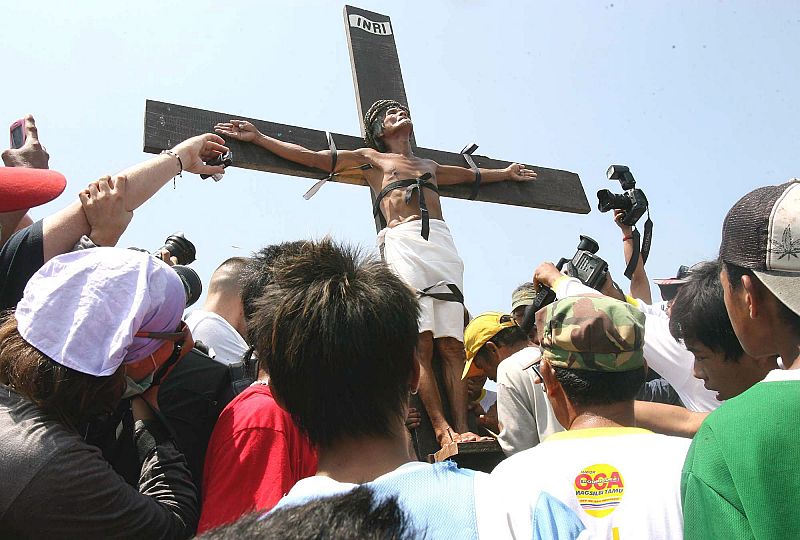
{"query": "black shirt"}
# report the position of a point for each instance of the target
(20, 258)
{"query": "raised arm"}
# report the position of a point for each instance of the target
(640, 285)
(244, 131)
(448, 174)
(64, 228)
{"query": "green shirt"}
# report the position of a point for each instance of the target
(741, 478)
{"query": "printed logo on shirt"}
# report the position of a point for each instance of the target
(599, 489)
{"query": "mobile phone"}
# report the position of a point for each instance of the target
(18, 133)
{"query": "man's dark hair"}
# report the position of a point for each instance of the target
(373, 122)
(698, 312)
(586, 388)
(735, 274)
(506, 337)
(354, 515)
(256, 274)
(336, 332)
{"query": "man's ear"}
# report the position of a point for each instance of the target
(562, 408)
(752, 296)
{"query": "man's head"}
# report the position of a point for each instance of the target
(258, 272)
(337, 333)
(521, 298)
(374, 121)
(225, 293)
(698, 318)
(669, 286)
(489, 339)
(591, 354)
(86, 321)
(760, 274)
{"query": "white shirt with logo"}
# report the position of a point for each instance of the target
(624, 483)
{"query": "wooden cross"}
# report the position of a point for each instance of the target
(376, 74)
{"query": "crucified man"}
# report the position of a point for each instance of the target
(415, 241)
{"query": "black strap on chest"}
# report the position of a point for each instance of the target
(410, 185)
(334, 158)
(467, 153)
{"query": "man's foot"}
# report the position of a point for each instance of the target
(450, 436)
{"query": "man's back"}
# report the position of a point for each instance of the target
(448, 502)
(742, 466)
(622, 482)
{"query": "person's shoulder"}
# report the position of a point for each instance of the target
(521, 461)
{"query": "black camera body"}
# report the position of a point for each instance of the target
(585, 265)
(633, 201)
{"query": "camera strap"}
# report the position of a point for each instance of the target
(334, 158)
(467, 153)
(646, 242)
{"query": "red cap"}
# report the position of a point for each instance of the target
(22, 188)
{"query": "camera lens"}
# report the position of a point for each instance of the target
(192, 285)
(181, 248)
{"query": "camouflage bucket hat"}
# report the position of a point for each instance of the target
(596, 333)
(372, 114)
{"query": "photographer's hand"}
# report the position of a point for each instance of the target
(627, 230)
(32, 154)
(545, 274)
(104, 204)
(195, 151)
(241, 130)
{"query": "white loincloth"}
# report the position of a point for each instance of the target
(422, 263)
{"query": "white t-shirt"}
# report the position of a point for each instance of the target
(662, 352)
(224, 342)
(624, 483)
(525, 414)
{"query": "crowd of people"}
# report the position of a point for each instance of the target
(281, 408)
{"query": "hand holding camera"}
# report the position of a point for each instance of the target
(26, 150)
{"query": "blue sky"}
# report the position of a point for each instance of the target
(698, 98)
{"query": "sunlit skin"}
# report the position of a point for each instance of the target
(727, 378)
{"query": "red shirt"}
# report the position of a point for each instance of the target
(255, 455)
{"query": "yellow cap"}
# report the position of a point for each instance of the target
(480, 330)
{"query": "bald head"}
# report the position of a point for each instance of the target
(226, 279)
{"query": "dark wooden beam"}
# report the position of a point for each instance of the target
(165, 125)
(374, 60)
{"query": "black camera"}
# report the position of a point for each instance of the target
(182, 249)
(585, 265)
(225, 160)
(633, 201)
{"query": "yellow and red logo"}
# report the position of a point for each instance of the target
(599, 489)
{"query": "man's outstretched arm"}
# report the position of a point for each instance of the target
(448, 174)
(244, 131)
(64, 228)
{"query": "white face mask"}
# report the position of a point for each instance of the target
(134, 388)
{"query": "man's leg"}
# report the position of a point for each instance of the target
(453, 358)
(429, 391)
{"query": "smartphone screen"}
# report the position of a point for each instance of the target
(17, 137)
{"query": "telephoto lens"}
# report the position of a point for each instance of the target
(179, 247)
(192, 285)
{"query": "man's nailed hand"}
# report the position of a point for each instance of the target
(518, 173)
(196, 151)
(241, 130)
(32, 154)
(104, 203)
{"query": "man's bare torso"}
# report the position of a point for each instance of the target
(388, 168)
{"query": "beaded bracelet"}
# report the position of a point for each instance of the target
(180, 164)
